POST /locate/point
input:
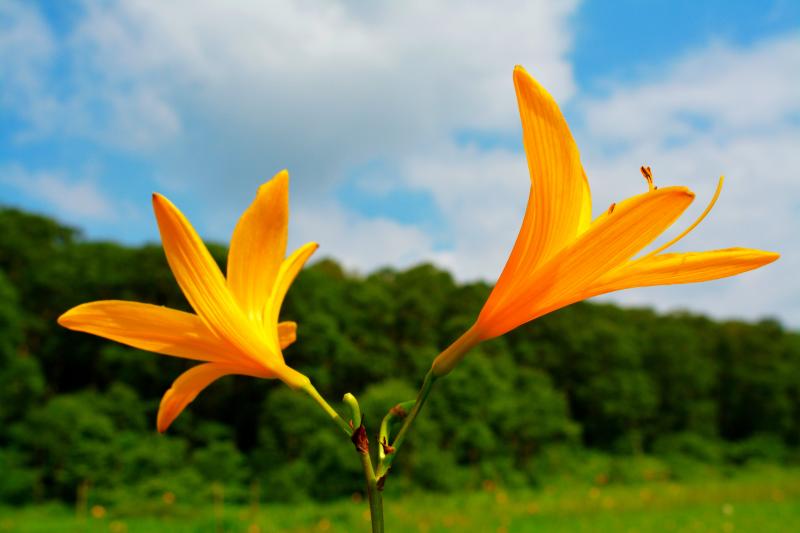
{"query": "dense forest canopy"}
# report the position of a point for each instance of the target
(584, 392)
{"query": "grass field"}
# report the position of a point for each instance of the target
(760, 502)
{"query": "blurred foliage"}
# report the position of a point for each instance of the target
(591, 392)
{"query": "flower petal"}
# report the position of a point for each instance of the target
(149, 327)
(690, 267)
(287, 333)
(204, 286)
(289, 269)
(611, 240)
(189, 384)
(559, 205)
(258, 246)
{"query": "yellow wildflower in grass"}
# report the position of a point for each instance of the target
(236, 329)
(562, 256)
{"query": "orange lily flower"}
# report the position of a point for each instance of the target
(561, 256)
(236, 329)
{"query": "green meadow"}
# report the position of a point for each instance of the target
(761, 500)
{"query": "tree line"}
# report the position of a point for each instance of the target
(592, 392)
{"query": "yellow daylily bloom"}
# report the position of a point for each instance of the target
(235, 329)
(561, 256)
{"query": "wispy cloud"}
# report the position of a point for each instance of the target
(361, 243)
(223, 95)
(75, 200)
(721, 90)
(27, 47)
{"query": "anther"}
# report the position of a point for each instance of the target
(611, 208)
(648, 175)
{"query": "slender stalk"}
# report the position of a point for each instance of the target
(373, 494)
(422, 395)
(450, 357)
(359, 437)
(442, 365)
(311, 391)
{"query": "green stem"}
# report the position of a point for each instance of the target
(442, 365)
(422, 395)
(374, 495)
(400, 410)
(311, 391)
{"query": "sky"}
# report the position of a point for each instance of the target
(398, 123)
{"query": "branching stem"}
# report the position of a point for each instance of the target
(422, 395)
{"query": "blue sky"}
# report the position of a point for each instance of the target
(398, 122)
(626, 39)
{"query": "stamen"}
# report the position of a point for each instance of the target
(648, 175)
(611, 208)
(696, 222)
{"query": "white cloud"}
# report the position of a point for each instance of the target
(218, 98)
(359, 243)
(26, 50)
(719, 91)
(482, 195)
(221, 96)
(73, 199)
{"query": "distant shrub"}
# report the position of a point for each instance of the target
(571, 463)
(690, 446)
(17, 482)
(763, 448)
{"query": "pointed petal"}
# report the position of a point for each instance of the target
(610, 241)
(188, 385)
(287, 333)
(203, 284)
(615, 238)
(691, 267)
(559, 206)
(149, 327)
(288, 271)
(258, 246)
